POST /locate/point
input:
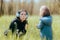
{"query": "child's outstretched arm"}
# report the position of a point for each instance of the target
(40, 25)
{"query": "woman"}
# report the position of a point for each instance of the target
(19, 24)
(45, 23)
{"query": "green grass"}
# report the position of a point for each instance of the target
(32, 31)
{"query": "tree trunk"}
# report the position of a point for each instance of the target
(1, 10)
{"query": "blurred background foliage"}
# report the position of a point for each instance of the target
(10, 7)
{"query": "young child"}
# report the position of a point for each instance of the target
(19, 24)
(45, 23)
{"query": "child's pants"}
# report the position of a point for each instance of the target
(43, 37)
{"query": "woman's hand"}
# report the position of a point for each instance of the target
(26, 26)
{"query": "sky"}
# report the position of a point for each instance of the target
(28, 1)
(22, 1)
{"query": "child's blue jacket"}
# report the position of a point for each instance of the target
(45, 26)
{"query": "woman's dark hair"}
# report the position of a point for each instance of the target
(19, 11)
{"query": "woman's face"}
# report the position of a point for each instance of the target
(23, 16)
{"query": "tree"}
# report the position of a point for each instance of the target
(1, 9)
(10, 8)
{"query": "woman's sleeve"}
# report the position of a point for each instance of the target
(12, 25)
(26, 22)
(40, 25)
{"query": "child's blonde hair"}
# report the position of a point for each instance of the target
(45, 8)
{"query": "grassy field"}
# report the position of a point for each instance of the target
(32, 31)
